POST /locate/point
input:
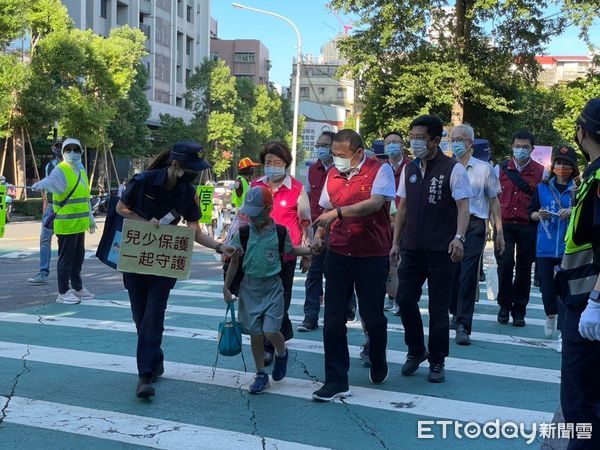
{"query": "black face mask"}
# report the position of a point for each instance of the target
(581, 149)
(187, 178)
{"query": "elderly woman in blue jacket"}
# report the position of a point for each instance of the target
(551, 208)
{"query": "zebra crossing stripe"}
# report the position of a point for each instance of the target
(399, 402)
(394, 356)
(131, 429)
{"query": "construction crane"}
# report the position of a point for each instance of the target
(347, 26)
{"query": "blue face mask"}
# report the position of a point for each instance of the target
(275, 173)
(392, 150)
(72, 158)
(459, 149)
(520, 154)
(323, 153)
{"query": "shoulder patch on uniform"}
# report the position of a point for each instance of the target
(413, 178)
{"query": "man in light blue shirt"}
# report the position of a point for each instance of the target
(483, 203)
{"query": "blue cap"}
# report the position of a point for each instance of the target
(190, 154)
(378, 148)
(257, 199)
(589, 119)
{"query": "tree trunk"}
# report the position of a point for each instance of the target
(462, 35)
(19, 165)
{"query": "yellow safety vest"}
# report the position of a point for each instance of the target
(74, 216)
(579, 256)
(238, 201)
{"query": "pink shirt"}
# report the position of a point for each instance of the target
(290, 207)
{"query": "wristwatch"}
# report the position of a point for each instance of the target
(595, 296)
(461, 238)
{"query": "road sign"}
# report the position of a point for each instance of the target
(152, 249)
(205, 196)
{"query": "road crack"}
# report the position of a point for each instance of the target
(246, 399)
(25, 369)
(362, 424)
(304, 367)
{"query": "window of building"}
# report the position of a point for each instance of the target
(104, 9)
(321, 91)
(341, 92)
(244, 76)
(304, 92)
(162, 68)
(163, 32)
(189, 42)
(214, 56)
(244, 57)
(179, 102)
(161, 96)
(190, 14)
(188, 74)
(164, 5)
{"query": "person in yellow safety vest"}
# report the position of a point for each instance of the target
(242, 182)
(69, 184)
(578, 290)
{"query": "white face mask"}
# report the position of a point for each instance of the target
(343, 165)
(419, 148)
(72, 158)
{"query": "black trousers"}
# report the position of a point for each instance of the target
(148, 295)
(344, 274)
(513, 295)
(467, 276)
(439, 271)
(545, 269)
(580, 389)
(71, 253)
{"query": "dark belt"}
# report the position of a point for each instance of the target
(473, 218)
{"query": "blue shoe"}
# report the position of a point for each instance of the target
(261, 382)
(40, 278)
(280, 367)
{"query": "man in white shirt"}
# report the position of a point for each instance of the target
(484, 201)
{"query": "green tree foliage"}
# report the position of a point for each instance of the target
(172, 129)
(233, 118)
(472, 61)
(128, 131)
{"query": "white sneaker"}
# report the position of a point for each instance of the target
(67, 298)
(559, 344)
(83, 294)
(550, 327)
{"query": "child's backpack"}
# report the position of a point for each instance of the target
(244, 235)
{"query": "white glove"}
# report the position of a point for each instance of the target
(589, 323)
(35, 186)
(93, 227)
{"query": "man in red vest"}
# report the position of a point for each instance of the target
(356, 198)
(519, 177)
(317, 174)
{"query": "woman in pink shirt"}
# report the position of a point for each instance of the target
(291, 208)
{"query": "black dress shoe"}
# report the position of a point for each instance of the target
(412, 363)
(378, 375)
(503, 315)
(462, 337)
(518, 323)
(144, 388)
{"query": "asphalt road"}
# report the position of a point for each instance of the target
(19, 260)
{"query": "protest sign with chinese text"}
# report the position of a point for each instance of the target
(205, 196)
(151, 249)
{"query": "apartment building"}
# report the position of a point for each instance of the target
(247, 58)
(178, 40)
(562, 69)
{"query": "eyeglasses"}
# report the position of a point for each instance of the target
(73, 149)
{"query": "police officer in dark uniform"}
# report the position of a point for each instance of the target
(579, 318)
(162, 194)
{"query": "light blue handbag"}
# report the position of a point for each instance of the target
(229, 339)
